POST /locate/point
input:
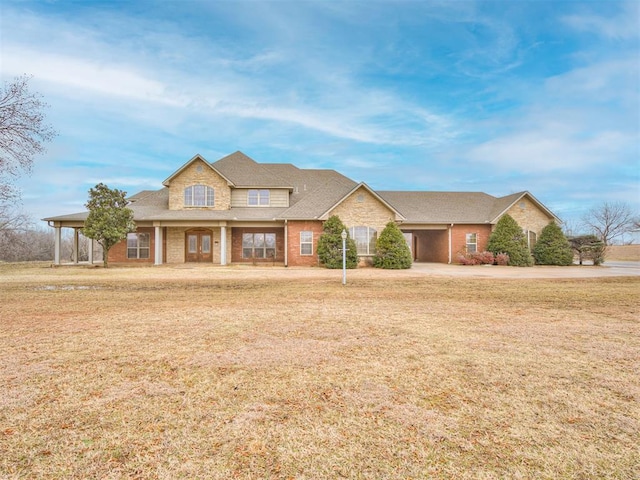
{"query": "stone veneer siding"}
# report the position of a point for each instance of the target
(529, 216)
(191, 176)
(362, 209)
(175, 244)
(293, 241)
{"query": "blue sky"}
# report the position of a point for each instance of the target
(498, 96)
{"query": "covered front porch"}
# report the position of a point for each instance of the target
(158, 243)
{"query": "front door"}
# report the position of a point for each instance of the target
(198, 245)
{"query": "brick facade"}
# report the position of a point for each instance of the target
(118, 253)
(293, 240)
(236, 244)
(459, 238)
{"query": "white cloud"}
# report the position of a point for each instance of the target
(624, 24)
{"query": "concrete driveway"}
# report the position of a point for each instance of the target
(609, 269)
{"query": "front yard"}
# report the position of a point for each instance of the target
(275, 373)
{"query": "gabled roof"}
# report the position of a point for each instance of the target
(314, 193)
(195, 158)
(455, 207)
(243, 171)
(505, 203)
(399, 215)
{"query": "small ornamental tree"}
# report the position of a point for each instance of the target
(330, 245)
(109, 218)
(552, 247)
(588, 247)
(509, 238)
(392, 251)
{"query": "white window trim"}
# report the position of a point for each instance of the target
(369, 252)
(306, 243)
(467, 242)
(261, 194)
(206, 196)
(138, 248)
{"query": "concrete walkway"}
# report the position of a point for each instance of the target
(609, 269)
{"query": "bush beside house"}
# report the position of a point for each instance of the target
(330, 245)
(509, 238)
(392, 251)
(552, 247)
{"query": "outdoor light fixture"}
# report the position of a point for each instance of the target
(344, 256)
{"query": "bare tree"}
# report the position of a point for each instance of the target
(23, 133)
(610, 220)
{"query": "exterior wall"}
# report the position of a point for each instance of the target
(236, 244)
(118, 253)
(529, 216)
(430, 245)
(175, 246)
(459, 238)
(363, 209)
(278, 197)
(191, 176)
(293, 241)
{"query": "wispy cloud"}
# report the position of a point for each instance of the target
(441, 95)
(622, 23)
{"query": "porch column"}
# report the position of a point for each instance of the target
(450, 231)
(158, 246)
(74, 254)
(56, 251)
(90, 253)
(286, 244)
(223, 245)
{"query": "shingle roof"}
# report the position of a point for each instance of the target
(313, 192)
(441, 207)
(246, 172)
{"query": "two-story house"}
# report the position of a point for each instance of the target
(236, 210)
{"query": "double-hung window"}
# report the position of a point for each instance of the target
(258, 198)
(198, 196)
(306, 243)
(138, 245)
(472, 242)
(365, 238)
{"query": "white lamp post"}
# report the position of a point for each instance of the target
(344, 256)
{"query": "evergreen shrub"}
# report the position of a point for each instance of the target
(330, 245)
(509, 238)
(392, 251)
(552, 247)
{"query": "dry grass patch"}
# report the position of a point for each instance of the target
(223, 373)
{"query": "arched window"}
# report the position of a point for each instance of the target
(365, 238)
(198, 196)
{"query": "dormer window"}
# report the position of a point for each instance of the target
(198, 196)
(258, 198)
